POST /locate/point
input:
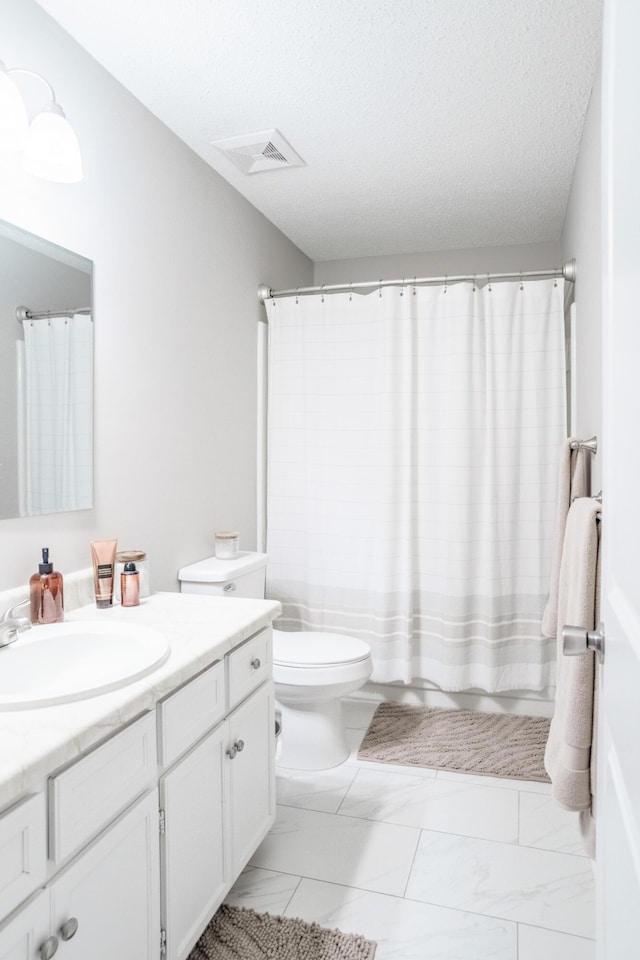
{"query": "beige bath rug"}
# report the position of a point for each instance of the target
(492, 744)
(237, 933)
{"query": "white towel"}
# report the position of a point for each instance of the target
(569, 747)
(572, 483)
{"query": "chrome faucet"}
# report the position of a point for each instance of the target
(11, 626)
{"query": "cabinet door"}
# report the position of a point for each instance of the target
(251, 775)
(23, 851)
(112, 890)
(194, 871)
(22, 937)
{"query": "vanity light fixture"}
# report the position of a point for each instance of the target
(49, 145)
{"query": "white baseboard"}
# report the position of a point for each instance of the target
(521, 702)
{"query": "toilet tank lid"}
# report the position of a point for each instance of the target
(214, 570)
(317, 649)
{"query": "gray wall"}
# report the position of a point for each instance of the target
(582, 239)
(479, 260)
(178, 257)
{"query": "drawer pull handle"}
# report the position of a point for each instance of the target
(48, 948)
(69, 929)
(229, 588)
(237, 747)
(256, 664)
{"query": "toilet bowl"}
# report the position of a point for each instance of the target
(312, 671)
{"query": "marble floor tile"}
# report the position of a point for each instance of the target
(405, 930)
(358, 713)
(538, 887)
(262, 890)
(544, 824)
(355, 736)
(339, 849)
(503, 783)
(314, 789)
(444, 805)
(534, 943)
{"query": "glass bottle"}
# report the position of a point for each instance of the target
(130, 585)
(46, 590)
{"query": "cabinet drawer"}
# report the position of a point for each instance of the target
(248, 666)
(189, 713)
(85, 796)
(23, 851)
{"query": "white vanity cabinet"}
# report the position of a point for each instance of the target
(25, 935)
(105, 904)
(218, 799)
(148, 830)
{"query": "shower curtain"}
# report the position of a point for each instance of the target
(413, 436)
(56, 414)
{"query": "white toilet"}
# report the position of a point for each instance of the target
(312, 670)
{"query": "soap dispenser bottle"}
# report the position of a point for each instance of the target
(47, 593)
(130, 585)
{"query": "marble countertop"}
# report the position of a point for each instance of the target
(199, 629)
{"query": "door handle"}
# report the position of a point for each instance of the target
(577, 640)
(69, 929)
(48, 948)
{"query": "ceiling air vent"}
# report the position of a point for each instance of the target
(256, 152)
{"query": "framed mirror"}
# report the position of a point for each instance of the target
(46, 376)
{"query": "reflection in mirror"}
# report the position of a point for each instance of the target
(46, 377)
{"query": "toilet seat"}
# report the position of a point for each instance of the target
(303, 649)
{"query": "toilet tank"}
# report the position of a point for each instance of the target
(241, 577)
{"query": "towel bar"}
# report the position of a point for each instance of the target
(591, 445)
(577, 640)
(596, 496)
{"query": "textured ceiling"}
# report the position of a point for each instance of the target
(424, 124)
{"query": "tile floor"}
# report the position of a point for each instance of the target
(432, 865)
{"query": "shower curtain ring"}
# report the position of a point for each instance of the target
(402, 288)
(489, 282)
(380, 288)
(473, 288)
(350, 291)
(297, 288)
(322, 293)
(521, 284)
(445, 283)
(414, 286)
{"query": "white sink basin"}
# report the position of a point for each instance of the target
(60, 662)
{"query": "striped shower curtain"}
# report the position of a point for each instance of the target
(413, 436)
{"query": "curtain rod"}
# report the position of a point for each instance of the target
(568, 272)
(23, 313)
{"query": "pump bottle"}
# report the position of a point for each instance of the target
(46, 590)
(130, 585)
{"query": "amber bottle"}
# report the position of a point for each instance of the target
(46, 589)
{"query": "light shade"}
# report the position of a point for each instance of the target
(14, 123)
(52, 151)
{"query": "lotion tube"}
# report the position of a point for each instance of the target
(104, 558)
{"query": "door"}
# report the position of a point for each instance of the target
(112, 893)
(194, 871)
(618, 791)
(22, 937)
(251, 775)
